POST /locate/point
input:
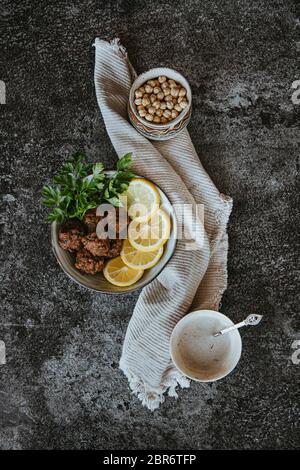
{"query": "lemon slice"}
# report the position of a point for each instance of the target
(119, 274)
(142, 199)
(136, 259)
(151, 235)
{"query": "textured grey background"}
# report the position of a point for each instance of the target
(61, 387)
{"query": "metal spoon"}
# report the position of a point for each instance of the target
(251, 320)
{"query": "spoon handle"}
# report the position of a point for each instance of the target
(251, 320)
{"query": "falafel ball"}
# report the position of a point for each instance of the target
(95, 245)
(91, 220)
(70, 235)
(87, 263)
(115, 248)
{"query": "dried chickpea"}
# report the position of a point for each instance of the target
(163, 105)
(182, 92)
(178, 107)
(159, 112)
(164, 85)
(160, 95)
(156, 104)
(149, 117)
(142, 89)
(156, 119)
(180, 98)
(163, 120)
(145, 101)
(138, 101)
(170, 105)
(174, 91)
(172, 83)
(156, 89)
(152, 98)
(174, 100)
(167, 113)
(148, 89)
(183, 104)
(152, 83)
(138, 94)
(167, 91)
(151, 110)
(162, 79)
(174, 113)
(142, 112)
(168, 98)
(140, 106)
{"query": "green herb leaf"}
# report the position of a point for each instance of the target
(98, 168)
(57, 215)
(115, 201)
(124, 162)
(67, 168)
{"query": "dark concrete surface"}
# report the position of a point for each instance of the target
(61, 386)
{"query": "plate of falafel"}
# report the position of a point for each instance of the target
(88, 243)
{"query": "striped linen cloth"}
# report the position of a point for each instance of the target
(193, 279)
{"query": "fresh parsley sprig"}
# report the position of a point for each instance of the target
(81, 186)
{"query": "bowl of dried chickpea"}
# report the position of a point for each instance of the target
(160, 103)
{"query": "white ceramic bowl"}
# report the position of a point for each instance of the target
(98, 282)
(159, 131)
(199, 355)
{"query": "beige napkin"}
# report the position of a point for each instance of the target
(193, 279)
